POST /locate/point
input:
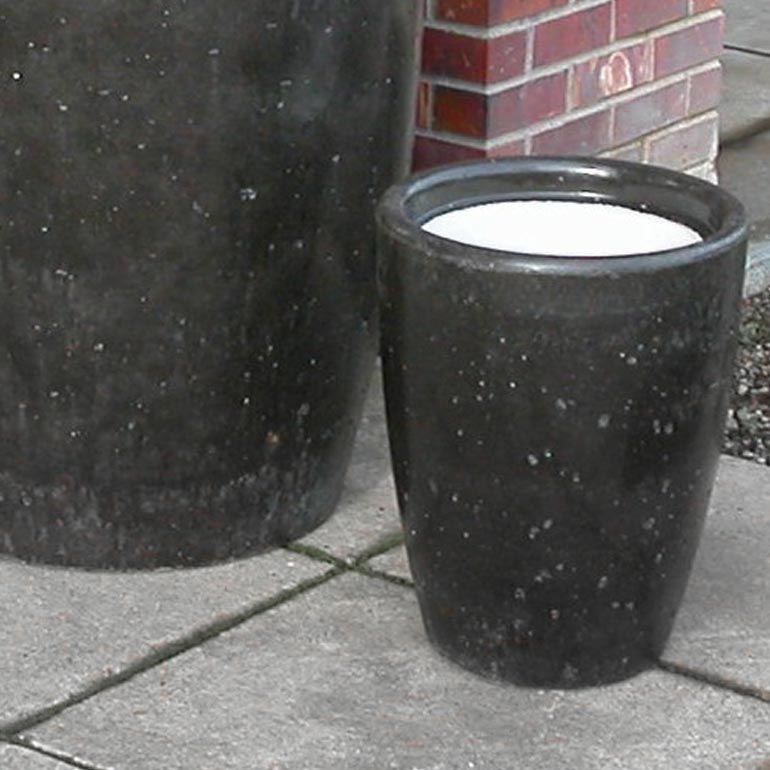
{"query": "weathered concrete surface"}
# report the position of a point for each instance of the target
(367, 512)
(745, 92)
(15, 758)
(748, 23)
(342, 677)
(744, 162)
(743, 170)
(758, 269)
(393, 562)
(62, 630)
(724, 625)
(744, 165)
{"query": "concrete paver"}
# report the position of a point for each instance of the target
(748, 23)
(64, 629)
(360, 523)
(366, 514)
(745, 93)
(743, 170)
(394, 562)
(724, 625)
(745, 127)
(343, 677)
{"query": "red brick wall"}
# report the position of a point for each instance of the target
(636, 79)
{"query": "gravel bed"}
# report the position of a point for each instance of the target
(748, 422)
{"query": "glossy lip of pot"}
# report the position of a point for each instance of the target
(718, 216)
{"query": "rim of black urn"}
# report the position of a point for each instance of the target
(717, 216)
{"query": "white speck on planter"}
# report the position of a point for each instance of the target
(455, 497)
(533, 460)
(460, 432)
(603, 582)
(649, 524)
(512, 385)
(604, 421)
(466, 535)
(665, 486)
(561, 404)
(548, 523)
(520, 594)
(534, 532)
(669, 428)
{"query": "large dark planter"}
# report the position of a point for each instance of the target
(188, 288)
(555, 423)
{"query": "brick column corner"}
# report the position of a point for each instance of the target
(633, 79)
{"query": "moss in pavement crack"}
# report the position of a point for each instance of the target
(715, 680)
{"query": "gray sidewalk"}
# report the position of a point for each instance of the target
(744, 160)
(313, 657)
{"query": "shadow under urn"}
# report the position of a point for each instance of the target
(188, 287)
(555, 421)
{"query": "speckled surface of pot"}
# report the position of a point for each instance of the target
(555, 423)
(188, 288)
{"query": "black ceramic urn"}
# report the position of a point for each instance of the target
(555, 423)
(188, 288)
